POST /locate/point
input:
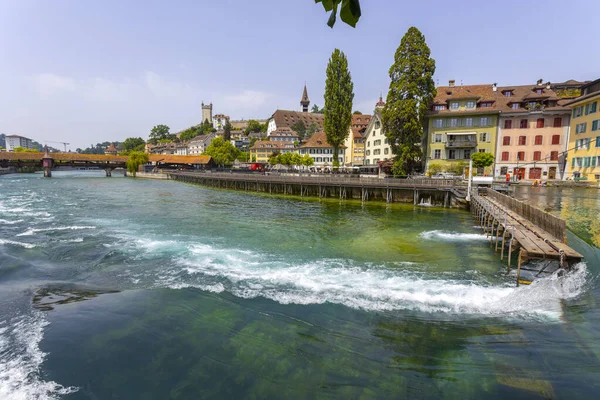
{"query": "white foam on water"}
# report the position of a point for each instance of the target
(14, 243)
(76, 240)
(21, 360)
(8, 222)
(451, 236)
(33, 231)
(248, 275)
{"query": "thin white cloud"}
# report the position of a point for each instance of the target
(48, 84)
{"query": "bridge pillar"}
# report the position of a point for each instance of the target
(108, 172)
(47, 162)
(125, 172)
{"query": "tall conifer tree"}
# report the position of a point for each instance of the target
(339, 94)
(411, 91)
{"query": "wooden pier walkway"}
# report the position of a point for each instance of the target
(537, 235)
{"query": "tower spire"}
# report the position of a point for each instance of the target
(305, 102)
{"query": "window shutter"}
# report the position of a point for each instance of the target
(595, 125)
(597, 141)
(594, 161)
(573, 162)
(587, 109)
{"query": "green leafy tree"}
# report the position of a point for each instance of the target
(299, 128)
(134, 144)
(159, 132)
(254, 126)
(222, 152)
(411, 91)
(434, 169)
(482, 160)
(244, 156)
(136, 158)
(227, 131)
(296, 159)
(339, 93)
(20, 149)
(252, 141)
(457, 168)
(307, 160)
(315, 109)
(356, 113)
(190, 133)
(275, 159)
(312, 128)
(349, 11)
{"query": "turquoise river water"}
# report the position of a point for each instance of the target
(114, 288)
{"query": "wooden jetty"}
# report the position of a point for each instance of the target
(439, 192)
(535, 234)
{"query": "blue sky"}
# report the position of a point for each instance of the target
(87, 71)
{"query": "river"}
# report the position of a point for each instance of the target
(129, 288)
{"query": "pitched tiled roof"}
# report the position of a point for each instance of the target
(360, 121)
(284, 132)
(356, 133)
(499, 102)
(286, 118)
(175, 159)
(304, 96)
(318, 140)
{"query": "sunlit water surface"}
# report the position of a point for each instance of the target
(131, 288)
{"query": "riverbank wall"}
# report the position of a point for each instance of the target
(151, 175)
(427, 192)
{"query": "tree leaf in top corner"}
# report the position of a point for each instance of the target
(333, 15)
(327, 4)
(350, 12)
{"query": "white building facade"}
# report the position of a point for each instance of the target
(376, 143)
(14, 141)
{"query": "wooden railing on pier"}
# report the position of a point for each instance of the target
(550, 223)
(330, 179)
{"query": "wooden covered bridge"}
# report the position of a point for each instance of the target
(108, 163)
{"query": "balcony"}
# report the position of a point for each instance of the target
(463, 143)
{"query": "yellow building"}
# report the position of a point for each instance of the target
(583, 157)
(355, 141)
(262, 150)
(462, 120)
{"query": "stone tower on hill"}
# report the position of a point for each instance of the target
(305, 102)
(207, 112)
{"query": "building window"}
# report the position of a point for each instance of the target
(577, 111)
(439, 107)
(451, 154)
(580, 128)
(597, 141)
(523, 124)
(470, 104)
(483, 137)
(555, 139)
(595, 125)
(506, 141)
(453, 122)
(468, 121)
(539, 91)
(505, 156)
(540, 123)
(481, 150)
(454, 105)
(486, 105)
(377, 124)
(515, 106)
(437, 154)
(538, 140)
(438, 138)
(386, 150)
(368, 152)
(522, 140)
(537, 155)
(557, 122)
(438, 123)
(507, 93)
(554, 156)
(467, 154)
(508, 124)
(483, 121)
(521, 156)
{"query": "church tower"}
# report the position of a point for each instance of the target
(206, 112)
(305, 102)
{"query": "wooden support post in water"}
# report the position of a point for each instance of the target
(519, 267)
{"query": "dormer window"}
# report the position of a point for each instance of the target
(507, 93)
(515, 106)
(539, 91)
(470, 104)
(454, 105)
(486, 104)
(438, 107)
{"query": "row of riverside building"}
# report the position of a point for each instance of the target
(544, 131)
